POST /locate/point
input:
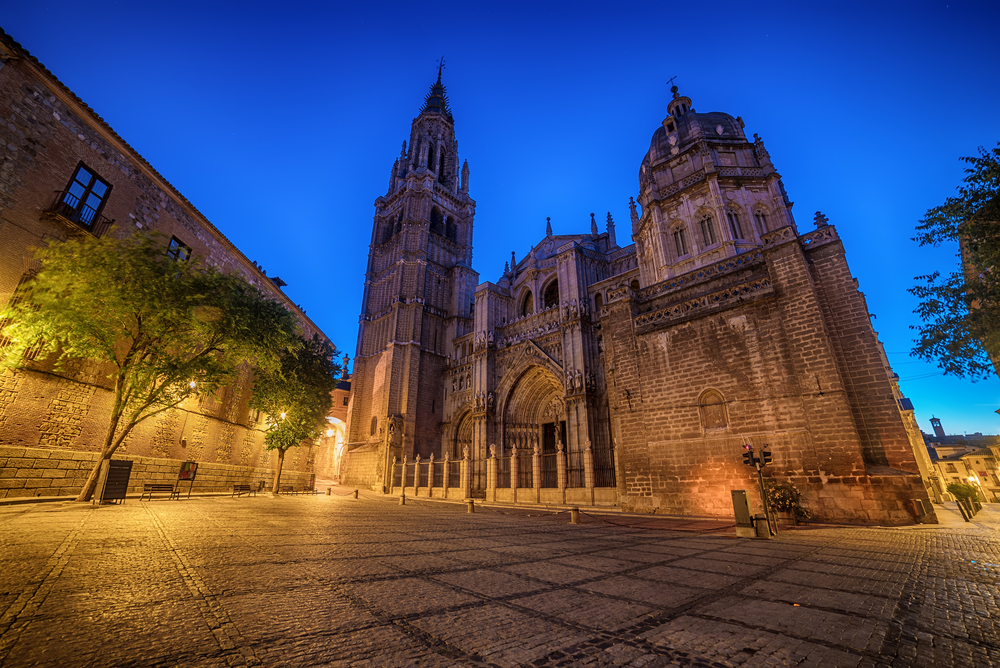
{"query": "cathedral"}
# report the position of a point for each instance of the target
(634, 375)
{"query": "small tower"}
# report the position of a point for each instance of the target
(706, 193)
(938, 430)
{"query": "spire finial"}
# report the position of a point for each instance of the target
(673, 88)
(548, 226)
(593, 226)
(440, 67)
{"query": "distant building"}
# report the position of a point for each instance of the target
(64, 172)
(595, 373)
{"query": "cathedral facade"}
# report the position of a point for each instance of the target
(592, 372)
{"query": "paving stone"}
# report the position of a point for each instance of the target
(332, 581)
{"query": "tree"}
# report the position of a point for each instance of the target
(161, 329)
(296, 396)
(961, 312)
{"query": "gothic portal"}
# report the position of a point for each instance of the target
(595, 373)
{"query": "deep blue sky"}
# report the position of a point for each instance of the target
(280, 122)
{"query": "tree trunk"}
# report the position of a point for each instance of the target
(277, 472)
(110, 445)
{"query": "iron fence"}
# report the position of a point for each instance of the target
(604, 467)
(455, 474)
(397, 475)
(503, 472)
(524, 470)
(437, 479)
(550, 470)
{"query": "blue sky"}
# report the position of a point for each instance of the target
(281, 122)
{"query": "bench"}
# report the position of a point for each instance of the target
(286, 489)
(150, 488)
(240, 490)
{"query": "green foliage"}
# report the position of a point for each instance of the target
(784, 497)
(295, 396)
(963, 491)
(961, 312)
(153, 324)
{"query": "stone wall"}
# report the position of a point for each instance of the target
(33, 472)
(791, 374)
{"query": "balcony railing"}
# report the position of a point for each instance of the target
(69, 208)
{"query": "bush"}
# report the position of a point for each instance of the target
(784, 497)
(963, 492)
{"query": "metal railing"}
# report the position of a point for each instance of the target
(503, 472)
(69, 207)
(525, 466)
(455, 473)
(437, 477)
(397, 475)
(549, 470)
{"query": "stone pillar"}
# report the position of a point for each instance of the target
(430, 476)
(466, 473)
(561, 471)
(446, 474)
(588, 471)
(402, 477)
(513, 473)
(536, 473)
(392, 472)
(416, 475)
(491, 475)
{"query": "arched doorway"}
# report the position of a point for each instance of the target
(534, 415)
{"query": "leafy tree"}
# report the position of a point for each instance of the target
(163, 329)
(961, 312)
(296, 396)
(963, 491)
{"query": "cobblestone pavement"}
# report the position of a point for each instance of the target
(330, 580)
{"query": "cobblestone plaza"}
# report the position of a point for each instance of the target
(333, 580)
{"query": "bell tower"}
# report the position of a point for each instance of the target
(418, 297)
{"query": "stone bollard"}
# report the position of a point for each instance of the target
(329, 490)
(574, 515)
(355, 494)
(402, 499)
(472, 506)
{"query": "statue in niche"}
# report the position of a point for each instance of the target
(578, 380)
(454, 385)
(489, 401)
(493, 450)
(465, 451)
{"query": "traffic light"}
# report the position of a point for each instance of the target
(748, 455)
(765, 457)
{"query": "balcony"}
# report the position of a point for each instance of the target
(69, 210)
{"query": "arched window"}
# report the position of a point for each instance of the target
(713, 411)
(430, 157)
(437, 221)
(708, 231)
(734, 224)
(598, 301)
(451, 229)
(399, 223)
(550, 297)
(761, 221)
(680, 242)
(374, 425)
(440, 169)
(528, 305)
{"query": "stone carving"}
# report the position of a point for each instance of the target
(489, 401)
(493, 450)
(634, 213)
(465, 452)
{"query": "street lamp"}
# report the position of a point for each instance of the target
(974, 478)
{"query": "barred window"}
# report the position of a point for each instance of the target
(178, 250)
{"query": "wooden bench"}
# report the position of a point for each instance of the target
(286, 489)
(151, 487)
(240, 490)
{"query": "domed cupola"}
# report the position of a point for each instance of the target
(680, 105)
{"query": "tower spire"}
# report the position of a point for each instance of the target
(436, 101)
